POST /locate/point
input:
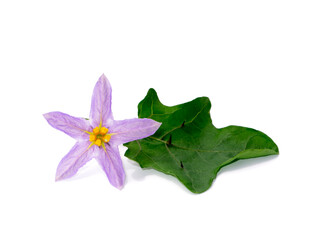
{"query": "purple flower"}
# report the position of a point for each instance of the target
(100, 136)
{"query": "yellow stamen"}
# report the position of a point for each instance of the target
(96, 130)
(98, 142)
(106, 138)
(99, 136)
(104, 130)
(92, 137)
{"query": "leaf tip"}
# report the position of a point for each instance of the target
(152, 92)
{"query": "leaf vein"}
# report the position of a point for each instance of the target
(185, 122)
(178, 162)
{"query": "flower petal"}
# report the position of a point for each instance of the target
(101, 103)
(111, 164)
(132, 129)
(73, 126)
(78, 156)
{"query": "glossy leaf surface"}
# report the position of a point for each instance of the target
(188, 146)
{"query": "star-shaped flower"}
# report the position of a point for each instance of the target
(100, 136)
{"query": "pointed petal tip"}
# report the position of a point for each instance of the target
(154, 123)
(59, 176)
(119, 187)
(158, 124)
(49, 115)
(118, 184)
(45, 115)
(103, 78)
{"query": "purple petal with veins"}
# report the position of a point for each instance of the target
(72, 126)
(132, 129)
(111, 164)
(78, 156)
(101, 103)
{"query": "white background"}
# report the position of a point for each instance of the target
(258, 62)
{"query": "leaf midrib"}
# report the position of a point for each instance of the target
(191, 149)
(198, 113)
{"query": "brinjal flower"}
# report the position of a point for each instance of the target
(99, 136)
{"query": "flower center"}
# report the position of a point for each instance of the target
(99, 136)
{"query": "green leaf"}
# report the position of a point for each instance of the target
(187, 145)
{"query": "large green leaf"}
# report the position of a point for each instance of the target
(187, 145)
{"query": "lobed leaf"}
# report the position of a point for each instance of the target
(188, 146)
